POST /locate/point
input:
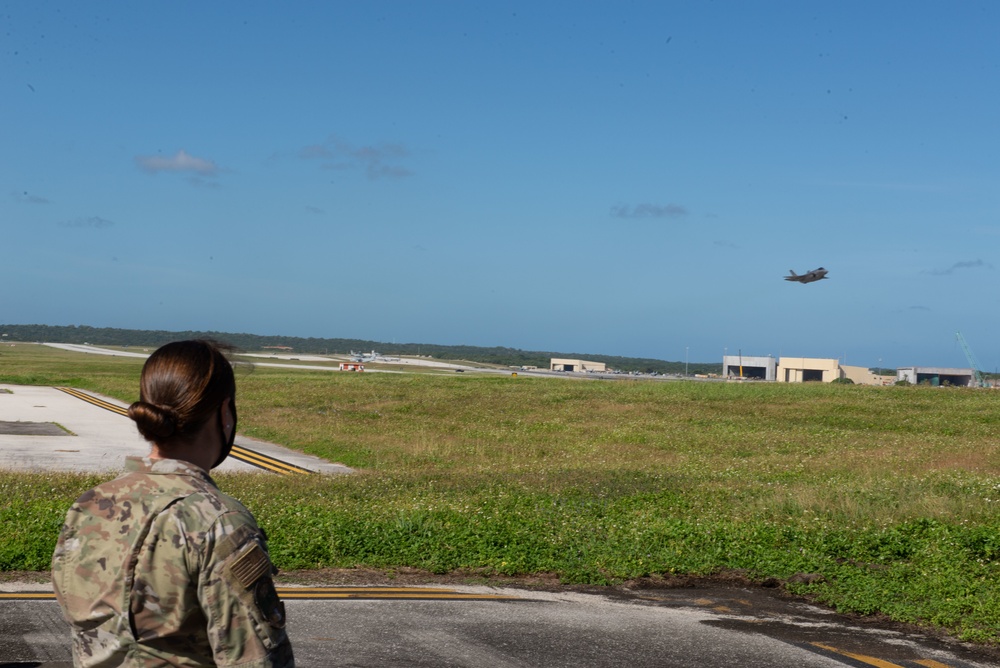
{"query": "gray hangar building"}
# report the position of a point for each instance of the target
(748, 366)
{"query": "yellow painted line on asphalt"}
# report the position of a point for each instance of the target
(361, 588)
(434, 593)
(327, 593)
(26, 595)
(931, 663)
(243, 454)
(870, 660)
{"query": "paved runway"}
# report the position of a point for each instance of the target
(43, 428)
(471, 627)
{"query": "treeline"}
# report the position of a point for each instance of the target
(109, 336)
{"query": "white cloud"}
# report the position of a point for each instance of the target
(647, 210)
(28, 198)
(968, 264)
(377, 161)
(92, 222)
(179, 162)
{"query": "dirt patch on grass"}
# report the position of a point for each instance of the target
(25, 577)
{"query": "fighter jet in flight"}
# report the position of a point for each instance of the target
(808, 277)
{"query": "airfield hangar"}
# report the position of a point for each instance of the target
(805, 369)
(740, 366)
(811, 369)
(576, 365)
(936, 376)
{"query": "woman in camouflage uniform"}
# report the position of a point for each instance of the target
(158, 567)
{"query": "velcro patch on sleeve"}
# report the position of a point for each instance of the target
(250, 566)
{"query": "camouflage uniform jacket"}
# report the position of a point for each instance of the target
(160, 568)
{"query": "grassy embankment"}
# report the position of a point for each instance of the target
(890, 494)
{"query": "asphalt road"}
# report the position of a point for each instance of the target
(708, 628)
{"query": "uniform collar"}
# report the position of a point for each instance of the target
(152, 466)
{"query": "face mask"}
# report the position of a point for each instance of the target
(227, 444)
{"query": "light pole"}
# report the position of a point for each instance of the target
(685, 361)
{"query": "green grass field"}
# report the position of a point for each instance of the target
(888, 497)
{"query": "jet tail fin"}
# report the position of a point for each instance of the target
(792, 272)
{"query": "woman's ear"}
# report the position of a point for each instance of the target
(226, 417)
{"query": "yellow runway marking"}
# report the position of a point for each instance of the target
(107, 405)
(387, 592)
(265, 462)
(243, 454)
(870, 660)
(328, 593)
(26, 595)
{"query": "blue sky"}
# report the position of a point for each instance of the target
(625, 178)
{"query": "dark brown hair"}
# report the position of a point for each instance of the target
(182, 384)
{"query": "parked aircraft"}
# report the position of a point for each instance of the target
(808, 277)
(371, 357)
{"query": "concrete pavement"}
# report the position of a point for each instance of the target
(42, 428)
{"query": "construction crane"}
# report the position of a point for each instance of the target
(973, 362)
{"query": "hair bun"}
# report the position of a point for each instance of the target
(154, 423)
